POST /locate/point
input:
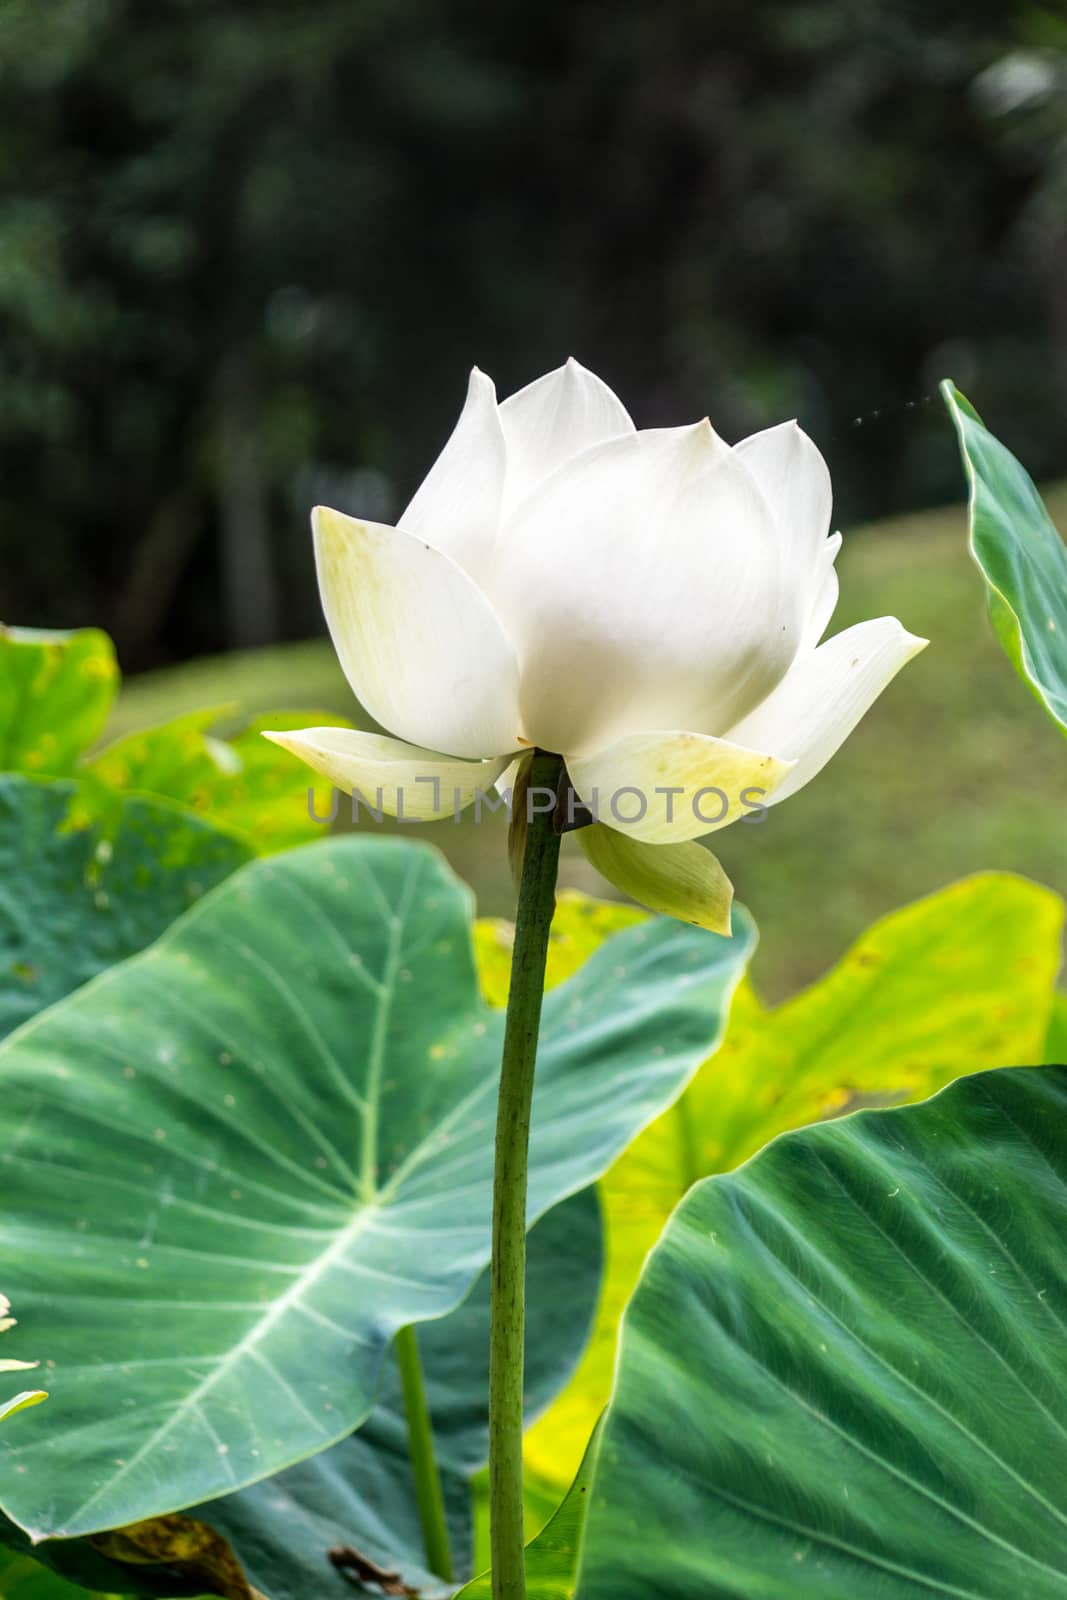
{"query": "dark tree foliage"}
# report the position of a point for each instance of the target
(248, 252)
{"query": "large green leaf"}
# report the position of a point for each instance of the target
(79, 892)
(1021, 556)
(843, 1370)
(277, 1150)
(960, 981)
(361, 1492)
(55, 693)
(242, 781)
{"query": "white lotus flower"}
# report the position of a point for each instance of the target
(648, 604)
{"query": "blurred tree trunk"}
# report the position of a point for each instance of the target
(155, 571)
(250, 596)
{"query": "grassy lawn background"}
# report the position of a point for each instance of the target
(955, 769)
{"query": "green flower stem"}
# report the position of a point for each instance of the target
(507, 1330)
(428, 1495)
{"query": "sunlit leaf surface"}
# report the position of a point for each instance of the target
(960, 981)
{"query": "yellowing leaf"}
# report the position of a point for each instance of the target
(55, 693)
(960, 981)
(183, 1544)
(243, 782)
(956, 983)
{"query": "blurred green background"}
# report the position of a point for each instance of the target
(248, 253)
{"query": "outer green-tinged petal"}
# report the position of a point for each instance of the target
(420, 644)
(709, 783)
(400, 779)
(1021, 556)
(795, 480)
(643, 588)
(684, 881)
(551, 420)
(823, 696)
(457, 507)
(509, 777)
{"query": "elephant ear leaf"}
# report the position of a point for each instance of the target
(1021, 557)
(276, 1121)
(844, 1363)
